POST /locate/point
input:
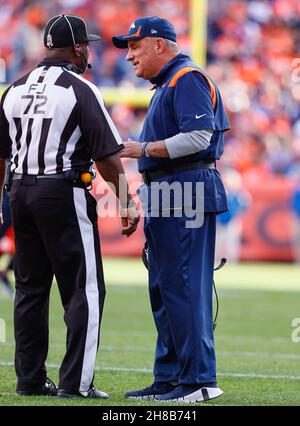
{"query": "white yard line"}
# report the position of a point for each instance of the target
(261, 355)
(148, 370)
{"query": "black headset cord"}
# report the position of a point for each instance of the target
(220, 266)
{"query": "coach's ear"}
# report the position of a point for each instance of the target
(160, 45)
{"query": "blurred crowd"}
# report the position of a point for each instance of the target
(22, 23)
(251, 54)
(252, 51)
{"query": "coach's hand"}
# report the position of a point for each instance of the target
(132, 149)
(130, 219)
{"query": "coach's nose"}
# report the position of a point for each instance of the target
(129, 56)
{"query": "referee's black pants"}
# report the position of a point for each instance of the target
(56, 233)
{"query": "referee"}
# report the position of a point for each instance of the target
(53, 125)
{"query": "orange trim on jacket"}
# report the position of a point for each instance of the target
(185, 70)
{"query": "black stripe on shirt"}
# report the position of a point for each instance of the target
(5, 140)
(69, 128)
(18, 124)
(21, 80)
(43, 73)
(28, 140)
(42, 144)
(98, 135)
(63, 81)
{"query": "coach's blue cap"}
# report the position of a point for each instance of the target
(148, 26)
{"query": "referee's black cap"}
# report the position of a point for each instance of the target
(66, 30)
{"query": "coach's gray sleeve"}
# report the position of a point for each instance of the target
(188, 143)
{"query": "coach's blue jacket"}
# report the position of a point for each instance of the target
(186, 99)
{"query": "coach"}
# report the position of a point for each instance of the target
(53, 123)
(181, 140)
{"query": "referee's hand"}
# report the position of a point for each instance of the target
(130, 220)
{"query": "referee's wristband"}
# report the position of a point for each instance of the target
(144, 152)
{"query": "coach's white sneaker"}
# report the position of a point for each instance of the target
(191, 393)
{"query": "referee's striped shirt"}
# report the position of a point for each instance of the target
(53, 120)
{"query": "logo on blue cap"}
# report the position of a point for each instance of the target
(148, 26)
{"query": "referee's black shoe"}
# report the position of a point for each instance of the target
(91, 393)
(47, 389)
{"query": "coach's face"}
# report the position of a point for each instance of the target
(144, 55)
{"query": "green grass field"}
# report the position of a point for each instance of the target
(258, 363)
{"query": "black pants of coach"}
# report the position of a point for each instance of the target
(56, 233)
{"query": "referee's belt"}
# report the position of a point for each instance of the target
(153, 175)
(17, 176)
(70, 175)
